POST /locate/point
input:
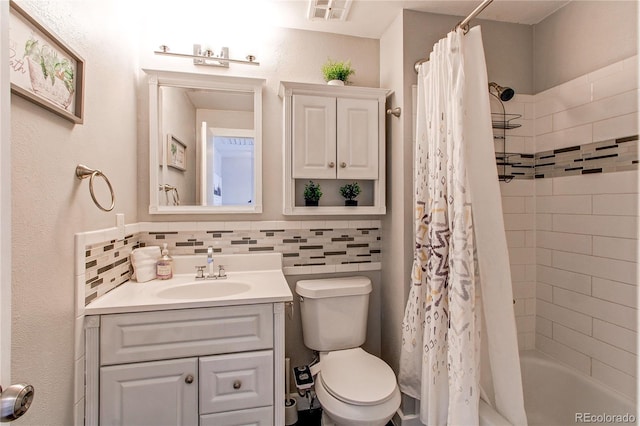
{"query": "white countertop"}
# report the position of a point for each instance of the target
(265, 286)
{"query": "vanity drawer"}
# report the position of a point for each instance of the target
(148, 336)
(262, 416)
(236, 381)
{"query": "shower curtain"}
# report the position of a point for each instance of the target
(461, 274)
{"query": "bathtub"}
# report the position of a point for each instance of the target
(555, 394)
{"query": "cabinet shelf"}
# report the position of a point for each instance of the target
(503, 121)
(334, 210)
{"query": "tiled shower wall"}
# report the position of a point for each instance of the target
(518, 213)
(307, 247)
(587, 227)
(586, 313)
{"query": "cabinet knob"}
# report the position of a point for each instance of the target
(332, 165)
(343, 164)
(237, 384)
(189, 379)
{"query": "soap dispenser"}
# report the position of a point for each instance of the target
(164, 267)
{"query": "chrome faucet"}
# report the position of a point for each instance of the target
(210, 262)
(221, 275)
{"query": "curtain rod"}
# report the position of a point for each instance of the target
(464, 24)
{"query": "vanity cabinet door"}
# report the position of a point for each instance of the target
(314, 137)
(150, 393)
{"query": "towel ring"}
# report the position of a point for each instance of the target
(83, 172)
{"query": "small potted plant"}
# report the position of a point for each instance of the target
(312, 193)
(337, 73)
(350, 191)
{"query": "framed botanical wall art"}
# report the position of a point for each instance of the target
(43, 69)
(176, 153)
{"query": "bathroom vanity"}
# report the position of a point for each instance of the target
(181, 351)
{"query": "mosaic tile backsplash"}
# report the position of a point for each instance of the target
(598, 157)
(299, 247)
(108, 264)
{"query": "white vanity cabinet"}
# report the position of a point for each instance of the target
(334, 134)
(209, 366)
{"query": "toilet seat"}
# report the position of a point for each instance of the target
(357, 377)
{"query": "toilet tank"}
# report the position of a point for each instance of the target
(334, 312)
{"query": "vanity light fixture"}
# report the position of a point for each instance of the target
(328, 10)
(206, 56)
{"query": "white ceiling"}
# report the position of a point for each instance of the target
(370, 18)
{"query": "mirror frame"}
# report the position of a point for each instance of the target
(158, 78)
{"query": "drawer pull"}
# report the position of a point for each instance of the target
(237, 384)
(343, 164)
(189, 379)
(332, 165)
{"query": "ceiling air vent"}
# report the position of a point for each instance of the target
(329, 10)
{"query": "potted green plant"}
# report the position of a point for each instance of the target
(350, 191)
(312, 193)
(337, 73)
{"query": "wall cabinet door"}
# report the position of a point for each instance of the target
(335, 138)
(314, 137)
(357, 138)
(150, 393)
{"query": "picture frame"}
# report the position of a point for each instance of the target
(176, 153)
(43, 69)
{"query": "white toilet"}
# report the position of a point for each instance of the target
(353, 386)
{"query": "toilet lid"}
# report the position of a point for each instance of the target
(356, 377)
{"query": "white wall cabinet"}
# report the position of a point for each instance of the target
(203, 366)
(333, 133)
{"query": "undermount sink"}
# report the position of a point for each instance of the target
(204, 290)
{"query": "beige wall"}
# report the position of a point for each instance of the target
(50, 204)
(583, 37)
(507, 47)
(396, 226)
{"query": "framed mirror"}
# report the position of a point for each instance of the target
(205, 143)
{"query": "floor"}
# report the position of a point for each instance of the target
(313, 417)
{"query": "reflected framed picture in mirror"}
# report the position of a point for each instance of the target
(176, 153)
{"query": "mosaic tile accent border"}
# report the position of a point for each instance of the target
(599, 157)
(107, 265)
(612, 155)
(322, 247)
(520, 166)
(299, 247)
